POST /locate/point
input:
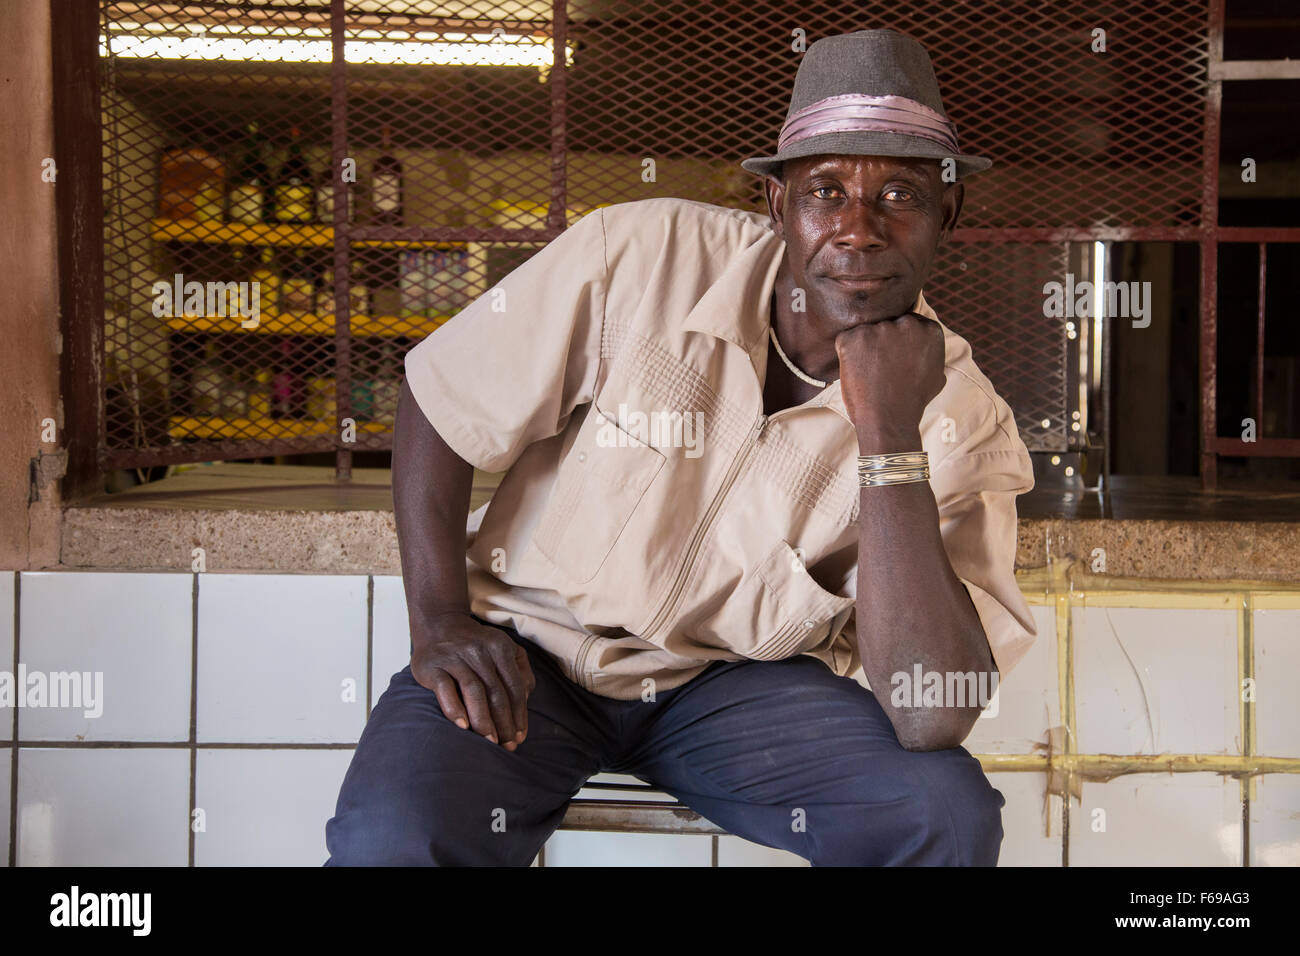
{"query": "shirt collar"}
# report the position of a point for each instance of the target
(737, 309)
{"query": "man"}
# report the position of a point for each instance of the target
(742, 458)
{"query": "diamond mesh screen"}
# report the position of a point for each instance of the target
(232, 144)
(991, 295)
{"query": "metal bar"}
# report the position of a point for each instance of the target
(212, 451)
(1126, 234)
(342, 252)
(320, 15)
(1255, 70)
(625, 787)
(1210, 249)
(1259, 344)
(630, 816)
(414, 235)
(1256, 234)
(557, 215)
(1077, 234)
(1104, 391)
(1259, 448)
(79, 214)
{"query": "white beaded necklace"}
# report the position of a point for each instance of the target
(790, 365)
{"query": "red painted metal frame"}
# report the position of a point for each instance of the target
(84, 320)
(345, 234)
(1210, 249)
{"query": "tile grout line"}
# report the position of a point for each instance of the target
(194, 714)
(1246, 665)
(1063, 617)
(1242, 674)
(370, 642)
(13, 744)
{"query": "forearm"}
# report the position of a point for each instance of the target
(911, 607)
(431, 489)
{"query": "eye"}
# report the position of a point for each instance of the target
(819, 189)
(901, 193)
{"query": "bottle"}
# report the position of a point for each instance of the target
(325, 198)
(268, 281)
(207, 383)
(296, 293)
(191, 184)
(293, 186)
(325, 294)
(284, 383)
(358, 296)
(259, 395)
(386, 188)
(387, 384)
(413, 282)
(246, 195)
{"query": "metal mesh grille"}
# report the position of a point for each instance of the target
(498, 154)
(991, 295)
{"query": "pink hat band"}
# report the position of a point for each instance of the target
(861, 113)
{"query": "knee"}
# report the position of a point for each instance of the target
(355, 838)
(957, 814)
(942, 811)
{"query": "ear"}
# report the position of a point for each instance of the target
(951, 200)
(774, 192)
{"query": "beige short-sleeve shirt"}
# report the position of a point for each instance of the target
(652, 519)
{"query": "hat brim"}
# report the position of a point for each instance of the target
(866, 144)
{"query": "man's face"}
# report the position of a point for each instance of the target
(861, 232)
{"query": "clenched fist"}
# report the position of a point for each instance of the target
(889, 371)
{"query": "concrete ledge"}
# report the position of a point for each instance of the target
(1166, 549)
(295, 519)
(232, 540)
(366, 542)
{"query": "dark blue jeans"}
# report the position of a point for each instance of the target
(783, 753)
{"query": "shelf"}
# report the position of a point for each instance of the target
(274, 323)
(289, 235)
(258, 429)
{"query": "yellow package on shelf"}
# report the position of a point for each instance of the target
(531, 214)
(218, 427)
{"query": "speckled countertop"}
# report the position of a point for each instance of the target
(288, 518)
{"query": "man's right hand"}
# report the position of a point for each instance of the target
(482, 678)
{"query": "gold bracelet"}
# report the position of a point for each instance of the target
(893, 469)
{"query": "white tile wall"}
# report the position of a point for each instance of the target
(580, 848)
(733, 851)
(1151, 680)
(1028, 701)
(1157, 819)
(1032, 821)
(591, 793)
(1275, 821)
(275, 652)
(391, 643)
(1277, 670)
(6, 764)
(133, 628)
(103, 807)
(266, 807)
(6, 647)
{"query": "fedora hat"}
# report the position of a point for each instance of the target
(867, 93)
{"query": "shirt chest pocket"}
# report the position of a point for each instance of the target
(600, 482)
(777, 611)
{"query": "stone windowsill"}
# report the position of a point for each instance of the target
(297, 519)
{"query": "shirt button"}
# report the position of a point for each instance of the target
(582, 456)
(809, 624)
